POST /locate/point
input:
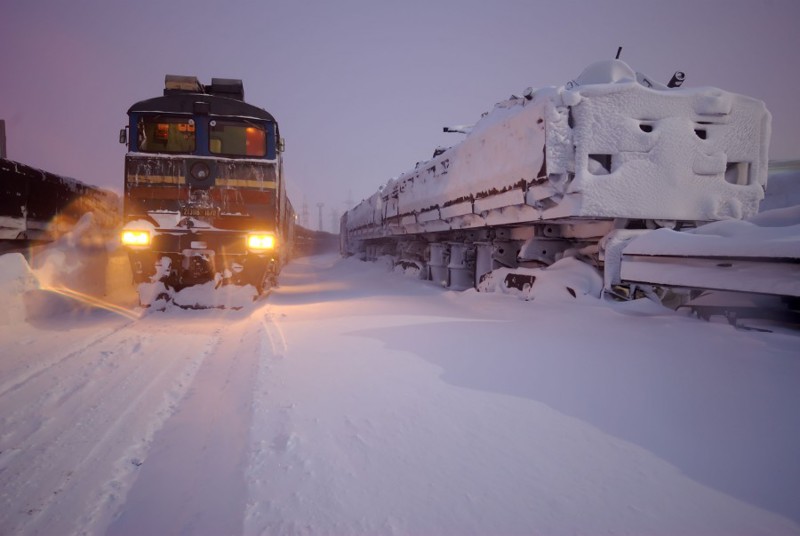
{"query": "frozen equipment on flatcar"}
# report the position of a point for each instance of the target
(556, 171)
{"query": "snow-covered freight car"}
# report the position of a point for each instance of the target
(205, 197)
(551, 173)
(38, 207)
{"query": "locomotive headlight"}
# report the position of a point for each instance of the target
(260, 241)
(136, 238)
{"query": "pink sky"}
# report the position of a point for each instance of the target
(362, 88)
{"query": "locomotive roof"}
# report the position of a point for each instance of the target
(182, 102)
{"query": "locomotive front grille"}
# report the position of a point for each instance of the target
(223, 242)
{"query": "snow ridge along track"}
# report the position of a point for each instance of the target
(43, 365)
(82, 423)
(204, 445)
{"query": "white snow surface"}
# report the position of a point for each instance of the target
(355, 400)
(773, 233)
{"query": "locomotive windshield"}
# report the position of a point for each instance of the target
(159, 134)
(234, 138)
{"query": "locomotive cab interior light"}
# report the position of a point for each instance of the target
(162, 132)
(260, 241)
(135, 238)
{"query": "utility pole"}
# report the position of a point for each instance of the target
(2, 138)
(334, 221)
(304, 215)
(319, 206)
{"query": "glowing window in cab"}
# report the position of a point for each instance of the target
(237, 138)
(159, 134)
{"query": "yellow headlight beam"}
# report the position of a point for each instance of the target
(136, 238)
(261, 242)
(92, 301)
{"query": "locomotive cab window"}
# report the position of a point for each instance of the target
(166, 135)
(237, 138)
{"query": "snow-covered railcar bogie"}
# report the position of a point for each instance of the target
(549, 174)
(205, 198)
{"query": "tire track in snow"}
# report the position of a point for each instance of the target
(272, 334)
(59, 392)
(193, 479)
(21, 379)
(271, 435)
(103, 424)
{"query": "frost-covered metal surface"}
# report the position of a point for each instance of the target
(575, 171)
(611, 144)
(760, 255)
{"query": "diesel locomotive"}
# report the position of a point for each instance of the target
(205, 197)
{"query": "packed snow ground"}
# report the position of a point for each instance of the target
(356, 400)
